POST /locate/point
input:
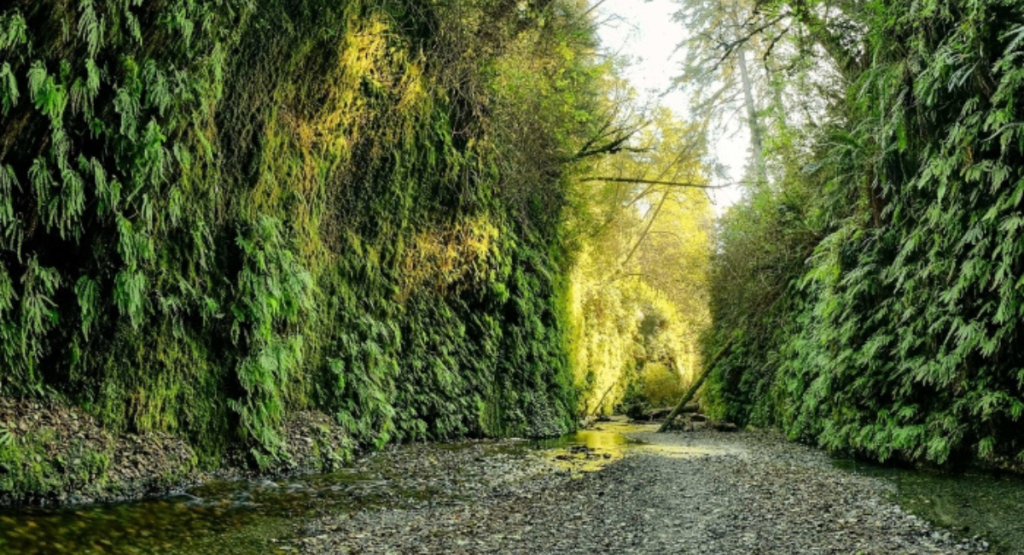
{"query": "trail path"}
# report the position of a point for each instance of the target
(697, 492)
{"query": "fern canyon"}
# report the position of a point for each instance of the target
(511, 276)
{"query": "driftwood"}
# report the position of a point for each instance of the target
(688, 396)
(691, 407)
(658, 414)
(723, 426)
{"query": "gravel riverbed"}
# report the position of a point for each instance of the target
(688, 492)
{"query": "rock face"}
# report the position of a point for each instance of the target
(315, 443)
(295, 250)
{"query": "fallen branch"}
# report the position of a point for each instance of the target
(650, 182)
(597, 407)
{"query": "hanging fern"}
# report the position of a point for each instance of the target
(901, 339)
(216, 214)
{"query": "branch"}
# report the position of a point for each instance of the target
(728, 47)
(643, 236)
(666, 183)
(594, 7)
(775, 41)
(616, 142)
(847, 63)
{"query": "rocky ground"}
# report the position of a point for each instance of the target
(616, 488)
(688, 492)
(53, 454)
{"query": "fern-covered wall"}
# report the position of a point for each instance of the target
(216, 213)
(877, 294)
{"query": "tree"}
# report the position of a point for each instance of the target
(716, 70)
(640, 282)
(755, 61)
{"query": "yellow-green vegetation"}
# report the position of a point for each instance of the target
(639, 288)
(661, 385)
(214, 214)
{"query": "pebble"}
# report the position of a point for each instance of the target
(745, 493)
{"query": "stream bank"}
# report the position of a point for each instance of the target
(56, 454)
(701, 492)
(617, 488)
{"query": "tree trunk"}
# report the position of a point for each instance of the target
(597, 407)
(696, 385)
(753, 121)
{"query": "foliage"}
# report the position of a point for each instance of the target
(659, 385)
(639, 286)
(896, 335)
(32, 471)
(215, 214)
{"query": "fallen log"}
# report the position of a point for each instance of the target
(696, 385)
(658, 414)
(723, 426)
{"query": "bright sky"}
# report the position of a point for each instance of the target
(647, 36)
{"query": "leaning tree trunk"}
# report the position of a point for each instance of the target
(696, 385)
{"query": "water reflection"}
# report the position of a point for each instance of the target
(592, 449)
(969, 504)
(242, 518)
(167, 526)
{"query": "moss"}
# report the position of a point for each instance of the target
(37, 466)
(293, 206)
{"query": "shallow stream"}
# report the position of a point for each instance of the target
(258, 517)
(969, 504)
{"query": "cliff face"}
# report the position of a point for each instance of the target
(875, 297)
(215, 215)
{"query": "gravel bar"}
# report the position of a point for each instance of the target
(689, 492)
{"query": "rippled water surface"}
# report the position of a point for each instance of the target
(222, 517)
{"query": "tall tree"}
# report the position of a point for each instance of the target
(716, 70)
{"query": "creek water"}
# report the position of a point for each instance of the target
(258, 517)
(967, 504)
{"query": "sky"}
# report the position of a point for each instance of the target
(643, 31)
